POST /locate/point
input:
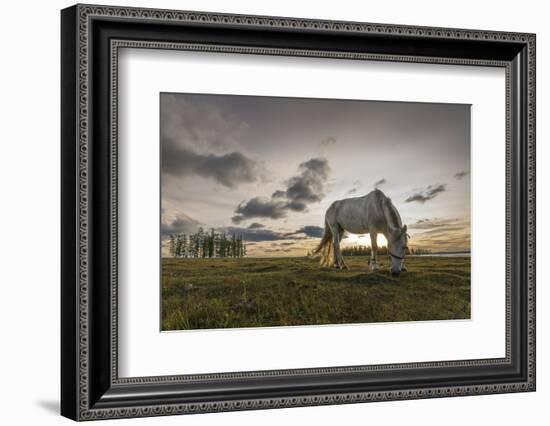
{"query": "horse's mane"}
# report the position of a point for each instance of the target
(390, 211)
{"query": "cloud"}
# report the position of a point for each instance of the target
(442, 234)
(198, 138)
(181, 224)
(305, 188)
(444, 231)
(229, 169)
(276, 250)
(256, 235)
(354, 188)
(461, 175)
(259, 207)
(311, 231)
(199, 123)
(297, 206)
(328, 141)
(256, 225)
(379, 183)
(430, 192)
(432, 223)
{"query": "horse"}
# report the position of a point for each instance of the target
(371, 214)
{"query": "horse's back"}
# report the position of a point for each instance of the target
(357, 215)
(363, 202)
(349, 214)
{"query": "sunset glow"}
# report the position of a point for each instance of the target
(363, 240)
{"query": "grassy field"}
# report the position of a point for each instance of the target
(227, 293)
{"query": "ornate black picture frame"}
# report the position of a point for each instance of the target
(91, 36)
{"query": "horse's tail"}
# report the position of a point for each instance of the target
(326, 248)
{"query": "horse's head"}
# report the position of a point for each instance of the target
(398, 248)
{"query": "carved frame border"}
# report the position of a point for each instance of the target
(87, 12)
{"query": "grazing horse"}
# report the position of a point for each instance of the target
(374, 214)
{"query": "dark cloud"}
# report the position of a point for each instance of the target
(237, 219)
(228, 169)
(198, 138)
(308, 187)
(379, 183)
(430, 192)
(311, 231)
(256, 225)
(461, 175)
(352, 191)
(182, 224)
(297, 206)
(197, 122)
(305, 188)
(259, 207)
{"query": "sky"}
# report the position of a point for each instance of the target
(267, 168)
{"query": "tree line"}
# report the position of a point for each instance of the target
(207, 245)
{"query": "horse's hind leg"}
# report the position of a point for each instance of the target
(337, 235)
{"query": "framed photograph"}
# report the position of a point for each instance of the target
(264, 212)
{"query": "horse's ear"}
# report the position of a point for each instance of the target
(405, 228)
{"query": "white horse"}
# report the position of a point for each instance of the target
(374, 214)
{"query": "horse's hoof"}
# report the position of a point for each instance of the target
(374, 267)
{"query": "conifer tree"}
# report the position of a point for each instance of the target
(172, 246)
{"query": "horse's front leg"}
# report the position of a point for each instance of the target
(373, 264)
